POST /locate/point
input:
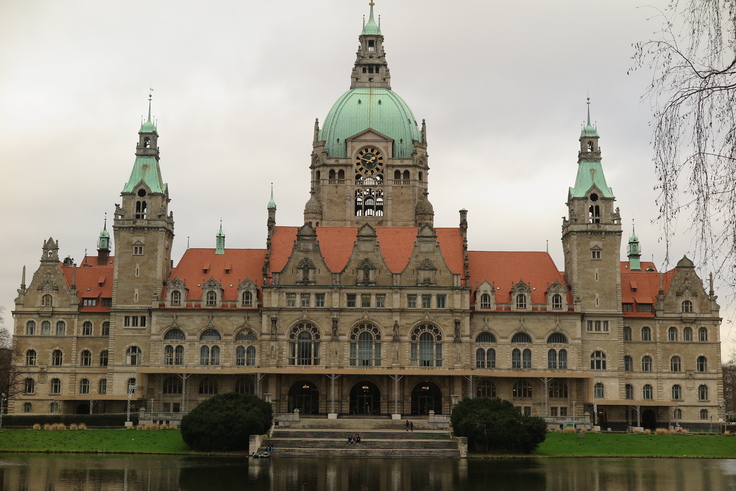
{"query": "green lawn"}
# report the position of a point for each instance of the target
(113, 441)
(631, 445)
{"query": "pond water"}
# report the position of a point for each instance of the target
(77, 472)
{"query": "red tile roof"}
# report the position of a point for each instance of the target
(92, 281)
(505, 269)
(199, 265)
(642, 287)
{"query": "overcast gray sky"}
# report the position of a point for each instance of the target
(238, 84)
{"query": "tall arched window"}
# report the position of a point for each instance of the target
(133, 355)
(85, 358)
(646, 333)
(675, 364)
(365, 346)
(175, 298)
(174, 355)
(240, 356)
(45, 328)
(104, 358)
(526, 358)
(304, 344)
(556, 301)
(486, 388)
(426, 346)
(516, 358)
(703, 393)
(29, 386)
(57, 357)
(480, 358)
(84, 386)
(30, 328)
(521, 301)
(562, 359)
(247, 299)
(485, 301)
(55, 387)
(702, 364)
(598, 391)
(552, 359)
(211, 299)
(209, 355)
(646, 363)
(687, 306)
(61, 328)
(250, 356)
(627, 333)
(629, 390)
(647, 392)
(687, 334)
(47, 300)
(628, 364)
(102, 388)
(702, 334)
(677, 392)
(598, 360)
(31, 357)
(672, 333)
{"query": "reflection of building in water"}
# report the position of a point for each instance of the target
(368, 307)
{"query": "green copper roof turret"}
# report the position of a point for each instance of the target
(589, 130)
(590, 169)
(271, 202)
(146, 168)
(634, 252)
(220, 241)
(371, 28)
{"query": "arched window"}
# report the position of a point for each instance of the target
(61, 328)
(557, 389)
(208, 386)
(175, 298)
(485, 337)
(177, 334)
(522, 389)
(211, 299)
(209, 355)
(526, 358)
(646, 333)
(45, 328)
(552, 359)
(304, 344)
(57, 357)
(85, 358)
(485, 301)
(105, 329)
(174, 355)
(480, 358)
(133, 355)
(598, 391)
(426, 346)
(210, 335)
(245, 386)
(702, 364)
(598, 360)
(687, 306)
(86, 328)
(557, 338)
(47, 300)
(104, 358)
(29, 386)
(703, 393)
(687, 334)
(490, 358)
(516, 358)
(365, 346)
(55, 387)
(647, 392)
(521, 301)
(30, 328)
(240, 356)
(672, 333)
(703, 414)
(250, 356)
(675, 364)
(556, 301)
(646, 363)
(31, 357)
(27, 407)
(676, 392)
(703, 334)
(521, 337)
(102, 388)
(628, 364)
(247, 299)
(629, 389)
(627, 333)
(173, 385)
(84, 386)
(486, 388)
(562, 359)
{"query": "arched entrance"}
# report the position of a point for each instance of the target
(426, 397)
(304, 395)
(649, 420)
(365, 399)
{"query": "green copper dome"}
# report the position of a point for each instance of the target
(361, 108)
(148, 127)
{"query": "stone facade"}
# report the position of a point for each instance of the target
(368, 308)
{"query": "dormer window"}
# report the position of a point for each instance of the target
(687, 307)
(211, 299)
(175, 298)
(521, 301)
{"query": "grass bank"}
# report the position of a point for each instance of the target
(112, 441)
(637, 445)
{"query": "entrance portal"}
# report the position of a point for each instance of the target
(649, 420)
(365, 398)
(426, 397)
(304, 396)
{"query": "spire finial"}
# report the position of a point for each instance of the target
(588, 110)
(271, 202)
(104, 227)
(150, 96)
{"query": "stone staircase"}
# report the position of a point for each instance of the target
(379, 438)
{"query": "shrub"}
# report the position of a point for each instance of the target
(37, 426)
(496, 425)
(91, 420)
(73, 426)
(570, 429)
(82, 426)
(225, 422)
(662, 431)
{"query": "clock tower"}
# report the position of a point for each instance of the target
(369, 158)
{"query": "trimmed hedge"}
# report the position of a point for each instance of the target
(91, 420)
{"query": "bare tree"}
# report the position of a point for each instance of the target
(693, 94)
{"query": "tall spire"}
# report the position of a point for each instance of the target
(371, 68)
(220, 241)
(271, 202)
(634, 251)
(146, 166)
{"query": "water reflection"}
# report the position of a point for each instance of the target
(58, 473)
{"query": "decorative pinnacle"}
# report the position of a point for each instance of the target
(588, 111)
(150, 96)
(104, 227)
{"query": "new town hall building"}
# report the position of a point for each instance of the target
(368, 307)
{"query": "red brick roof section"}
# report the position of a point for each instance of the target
(396, 243)
(505, 269)
(236, 265)
(642, 287)
(93, 281)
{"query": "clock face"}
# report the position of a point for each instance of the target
(369, 161)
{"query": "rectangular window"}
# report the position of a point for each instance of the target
(365, 300)
(595, 255)
(138, 250)
(411, 301)
(126, 321)
(89, 302)
(134, 321)
(426, 301)
(627, 307)
(319, 299)
(351, 299)
(107, 302)
(380, 300)
(527, 410)
(291, 299)
(563, 411)
(143, 321)
(644, 307)
(553, 412)
(441, 301)
(304, 299)
(597, 326)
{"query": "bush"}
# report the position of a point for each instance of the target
(496, 425)
(90, 420)
(225, 422)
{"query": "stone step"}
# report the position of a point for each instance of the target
(360, 451)
(368, 434)
(365, 443)
(357, 424)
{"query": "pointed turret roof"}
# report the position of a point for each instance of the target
(146, 168)
(371, 28)
(590, 169)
